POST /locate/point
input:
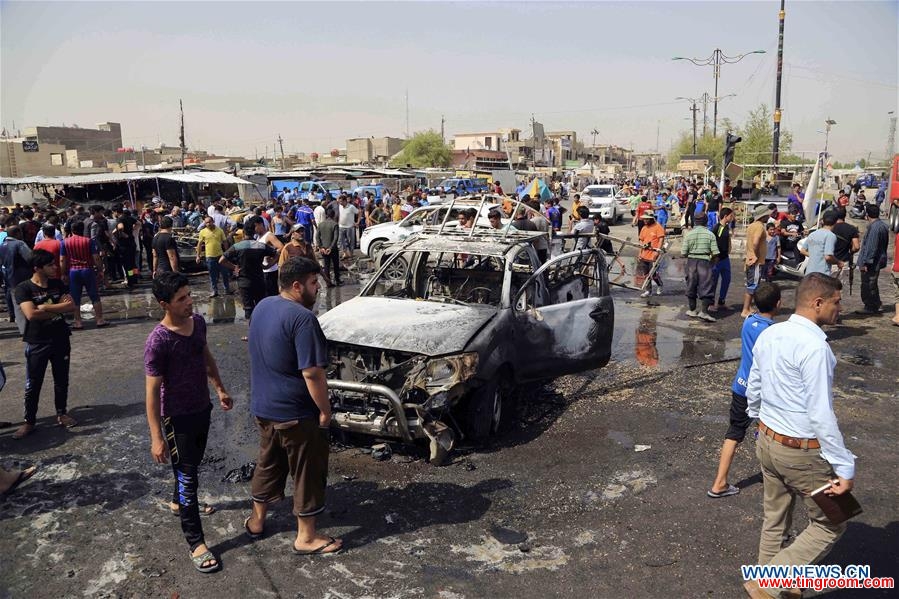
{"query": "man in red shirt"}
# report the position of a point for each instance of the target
(642, 207)
(82, 261)
(55, 247)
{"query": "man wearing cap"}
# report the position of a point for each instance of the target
(652, 235)
(756, 248)
(700, 247)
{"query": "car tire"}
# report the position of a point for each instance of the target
(375, 247)
(397, 269)
(489, 410)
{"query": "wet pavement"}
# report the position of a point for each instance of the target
(598, 490)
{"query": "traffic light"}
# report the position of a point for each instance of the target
(730, 145)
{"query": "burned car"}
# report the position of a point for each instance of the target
(452, 322)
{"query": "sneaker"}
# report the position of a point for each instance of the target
(706, 317)
(692, 313)
(645, 293)
(659, 291)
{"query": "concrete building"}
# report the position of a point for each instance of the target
(22, 157)
(498, 140)
(480, 160)
(372, 150)
(107, 137)
(563, 146)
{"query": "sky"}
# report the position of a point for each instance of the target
(319, 73)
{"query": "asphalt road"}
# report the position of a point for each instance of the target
(598, 491)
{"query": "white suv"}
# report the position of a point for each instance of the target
(376, 237)
(601, 199)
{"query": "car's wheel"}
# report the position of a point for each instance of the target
(397, 269)
(489, 410)
(375, 247)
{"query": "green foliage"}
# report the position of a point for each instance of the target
(425, 149)
(757, 133)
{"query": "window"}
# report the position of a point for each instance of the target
(488, 143)
(56, 160)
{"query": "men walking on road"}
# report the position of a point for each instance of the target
(652, 236)
(872, 258)
(245, 259)
(211, 244)
(756, 249)
(15, 257)
(800, 447)
(700, 247)
(83, 262)
(721, 268)
(767, 300)
(326, 238)
(288, 353)
(165, 249)
(177, 364)
(820, 247)
(348, 220)
(43, 301)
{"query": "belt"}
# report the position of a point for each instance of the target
(789, 441)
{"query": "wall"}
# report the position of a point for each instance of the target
(358, 150)
(14, 162)
(107, 138)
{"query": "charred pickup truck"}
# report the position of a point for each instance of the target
(435, 343)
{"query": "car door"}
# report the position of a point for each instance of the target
(305, 188)
(565, 315)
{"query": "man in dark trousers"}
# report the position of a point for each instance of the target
(43, 301)
(15, 257)
(244, 259)
(872, 258)
(326, 236)
(800, 447)
(289, 399)
(177, 364)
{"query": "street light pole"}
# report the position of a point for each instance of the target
(717, 59)
(829, 122)
(775, 147)
(693, 109)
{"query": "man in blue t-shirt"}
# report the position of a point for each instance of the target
(767, 300)
(289, 398)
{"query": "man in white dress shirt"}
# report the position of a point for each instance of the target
(800, 446)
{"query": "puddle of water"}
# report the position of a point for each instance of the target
(661, 337)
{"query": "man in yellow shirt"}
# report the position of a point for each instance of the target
(397, 210)
(211, 244)
(756, 248)
(574, 216)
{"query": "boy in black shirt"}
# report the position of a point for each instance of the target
(43, 301)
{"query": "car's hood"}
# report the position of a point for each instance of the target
(602, 201)
(419, 327)
(372, 228)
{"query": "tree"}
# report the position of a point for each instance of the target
(756, 148)
(425, 149)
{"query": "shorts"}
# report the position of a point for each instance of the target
(896, 285)
(739, 419)
(299, 449)
(753, 278)
(83, 278)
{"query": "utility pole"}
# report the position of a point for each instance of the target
(407, 113)
(717, 59)
(181, 138)
(694, 109)
(281, 143)
(442, 123)
(775, 146)
(891, 140)
(705, 108)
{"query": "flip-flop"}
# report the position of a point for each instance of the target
(250, 533)
(318, 550)
(730, 490)
(23, 476)
(206, 557)
(205, 510)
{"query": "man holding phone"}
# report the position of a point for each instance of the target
(800, 446)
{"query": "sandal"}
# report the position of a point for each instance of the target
(205, 509)
(66, 421)
(250, 533)
(201, 559)
(319, 550)
(23, 476)
(730, 490)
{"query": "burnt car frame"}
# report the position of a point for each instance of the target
(433, 350)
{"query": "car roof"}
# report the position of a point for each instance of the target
(483, 242)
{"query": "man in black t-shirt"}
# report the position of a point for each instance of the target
(721, 269)
(165, 249)
(245, 258)
(847, 239)
(43, 301)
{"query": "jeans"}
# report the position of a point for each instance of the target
(212, 264)
(721, 270)
(346, 238)
(329, 262)
(870, 290)
(186, 436)
(37, 356)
